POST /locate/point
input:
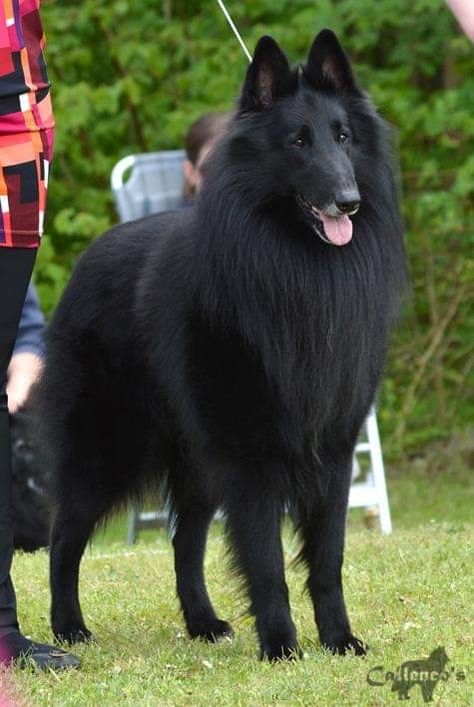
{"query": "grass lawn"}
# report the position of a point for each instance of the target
(407, 594)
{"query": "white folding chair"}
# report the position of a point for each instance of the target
(154, 183)
(151, 182)
(372, 491)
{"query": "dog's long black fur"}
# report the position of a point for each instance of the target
(231, 352)
(30, 486)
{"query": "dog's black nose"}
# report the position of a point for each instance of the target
(348, 205)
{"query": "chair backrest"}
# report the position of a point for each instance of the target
(155, 183)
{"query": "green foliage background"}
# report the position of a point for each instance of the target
(131, 76)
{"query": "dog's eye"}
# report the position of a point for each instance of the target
(299, 142)
(343, 137)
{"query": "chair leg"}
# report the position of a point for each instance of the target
(132, 528)
(378, 472)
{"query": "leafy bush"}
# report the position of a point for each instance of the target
(130, 77)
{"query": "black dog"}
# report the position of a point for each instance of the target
(232, 351)
(426, 673)
(30, 487)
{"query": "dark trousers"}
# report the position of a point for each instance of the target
(16, 265)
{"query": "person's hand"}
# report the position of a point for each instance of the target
(23, 371)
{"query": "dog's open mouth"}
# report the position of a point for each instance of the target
(334, 230)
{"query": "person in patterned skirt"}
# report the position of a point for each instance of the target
(26, 147)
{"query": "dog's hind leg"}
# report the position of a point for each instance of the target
(79, 510)
(323, 528)
(254, 521)
(189, 541)
(68, 541)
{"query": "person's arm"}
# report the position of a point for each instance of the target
(31, 330)
(26, 361)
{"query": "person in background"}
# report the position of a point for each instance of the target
(200, 140)
(27, 358)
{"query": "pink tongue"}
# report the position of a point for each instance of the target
(338, 230)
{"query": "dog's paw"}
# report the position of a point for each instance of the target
(212, 631)
(346, 644)
(277, 650)
(74, 634)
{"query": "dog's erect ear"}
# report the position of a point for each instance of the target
(328, 65)
(268, 76)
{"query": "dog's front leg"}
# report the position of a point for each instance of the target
(192, 523)
(323, 530)
(254, 520)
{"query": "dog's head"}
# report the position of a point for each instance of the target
(301, 132)
(439, 657)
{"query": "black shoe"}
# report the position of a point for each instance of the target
(15, 649)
